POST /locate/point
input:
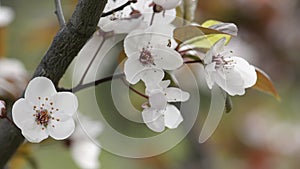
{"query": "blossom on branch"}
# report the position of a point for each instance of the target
(44, 111)
(233, 74)
(150, 50)
(160, 114)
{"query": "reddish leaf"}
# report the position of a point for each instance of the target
(265, 84)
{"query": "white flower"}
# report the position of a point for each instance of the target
(123, 21)
(138, 15)
(167, 4)
(160, 114)
(81, 143)
(44, 111)
(6, 16)
(150, 50)
(13, 78)
(233, 74)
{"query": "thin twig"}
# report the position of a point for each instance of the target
(59, 13)
(133, 89)
(95, 83)
(91, 62)
(193, 61)
(118, 8)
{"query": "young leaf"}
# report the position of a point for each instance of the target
(217, 105)
(205, 35)
(265, 84)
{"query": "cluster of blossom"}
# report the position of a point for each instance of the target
(151, 50)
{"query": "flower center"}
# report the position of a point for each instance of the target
(42, 117)
(44, 112)
(223, 63)
(146, 57)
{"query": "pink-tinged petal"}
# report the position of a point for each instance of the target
(86, 154)
(172, 117)
(60, 130)
(174, 94)
(132, 70)
(34, 133)
(231, 82)
(158, 100)
(65, 102)
(246, 71)
(167, 58)
(39, 87)
(22, 113)
(153, 119)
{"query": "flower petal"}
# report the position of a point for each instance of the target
(85, 154)
(172, 117)
(174, 94)
(246, 71)
(158, 100)
(153, 119)
(218, 47)
(60, 130)
(132, 70)
(34, 133)
(231, 82)
(167, 4)
(39, 87)
(152, 78)
(166, 58)
(22, 113)
(66, 102)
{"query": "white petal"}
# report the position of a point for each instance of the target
(66, 102)
(152, 78)
(172, 117)
(231, 82)
(176, 95)
(208, 79)
(132, 70)
(246, 71)
(136, 41)
(167, 58)
(164, 84)
(215, 113)
(218, 47)
(153, 119)
(158, 100)
(39, 87)
(86, 154)
(229, 28)
(22, 112)
(6, 16)
(62, 129)
(34, 133)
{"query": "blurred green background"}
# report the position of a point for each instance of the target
(259, 133)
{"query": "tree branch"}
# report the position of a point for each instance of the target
(65, 46)
(59, 13)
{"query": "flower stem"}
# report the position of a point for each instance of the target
(118, 8)
(133, 89)
(59, 13)
(194, 61)
(91, 62)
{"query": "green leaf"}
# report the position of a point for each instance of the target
(265, 84)
(205, 35)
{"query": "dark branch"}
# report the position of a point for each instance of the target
(65, 46)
